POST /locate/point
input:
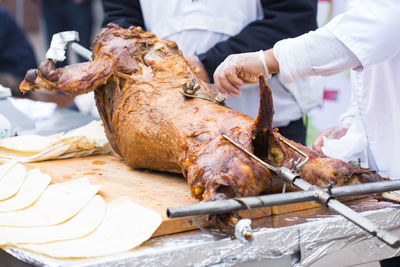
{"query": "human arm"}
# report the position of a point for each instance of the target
(281, 19)
(243, 68)
(124, 13)
(351, 40)
(315, 53)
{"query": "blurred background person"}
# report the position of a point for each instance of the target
(68, 15)
(73, 15)
(16, 54)
(207, 31)
(27, 116)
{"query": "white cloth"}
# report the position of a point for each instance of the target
(86, 104)
(35, 110)
(351, 146)
(4, 91)
(198, 25)
(5, 127)
(368, 32)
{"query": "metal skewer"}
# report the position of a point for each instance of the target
(311, 192)
(225, 206)
(326, 199)
(80, 50)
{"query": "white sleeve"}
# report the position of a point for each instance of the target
(370, 29)
(315, 53)
(365, 34)
(352, 110)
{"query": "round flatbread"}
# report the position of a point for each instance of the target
(125, 226)
(58, 203)
(83, 223)
(33, 186)
(29, 143)
(12, 179)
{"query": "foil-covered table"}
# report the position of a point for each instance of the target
(314, 237)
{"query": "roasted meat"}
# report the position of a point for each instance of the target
(137, 80)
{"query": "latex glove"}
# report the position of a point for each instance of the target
(334, 132)
(198, 68)
(238, 69)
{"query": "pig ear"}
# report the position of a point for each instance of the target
(262, 126)
(263, 123)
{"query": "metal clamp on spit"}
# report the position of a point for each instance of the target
(59, 43)
(310, 192)
(191, 90)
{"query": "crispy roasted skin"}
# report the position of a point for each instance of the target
(137, 81)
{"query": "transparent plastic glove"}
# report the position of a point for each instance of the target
(334, 132)
(238, 69)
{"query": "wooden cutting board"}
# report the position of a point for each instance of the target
(151, 189)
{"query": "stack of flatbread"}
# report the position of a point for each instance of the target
(87, 140)
(67, 220)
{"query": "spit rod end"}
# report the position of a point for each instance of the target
(389, 238)
(243, 231)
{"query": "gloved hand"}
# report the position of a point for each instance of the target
(334, 132)
(243, 68)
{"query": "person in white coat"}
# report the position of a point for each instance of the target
(366, 39)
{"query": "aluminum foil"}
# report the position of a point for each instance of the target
(318, 239)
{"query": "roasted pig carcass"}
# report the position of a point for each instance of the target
(138, 79)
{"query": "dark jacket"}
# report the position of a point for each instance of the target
(282, 19)
(16, 54)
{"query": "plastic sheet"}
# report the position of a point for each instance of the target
(315, 237)
(337, 233)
